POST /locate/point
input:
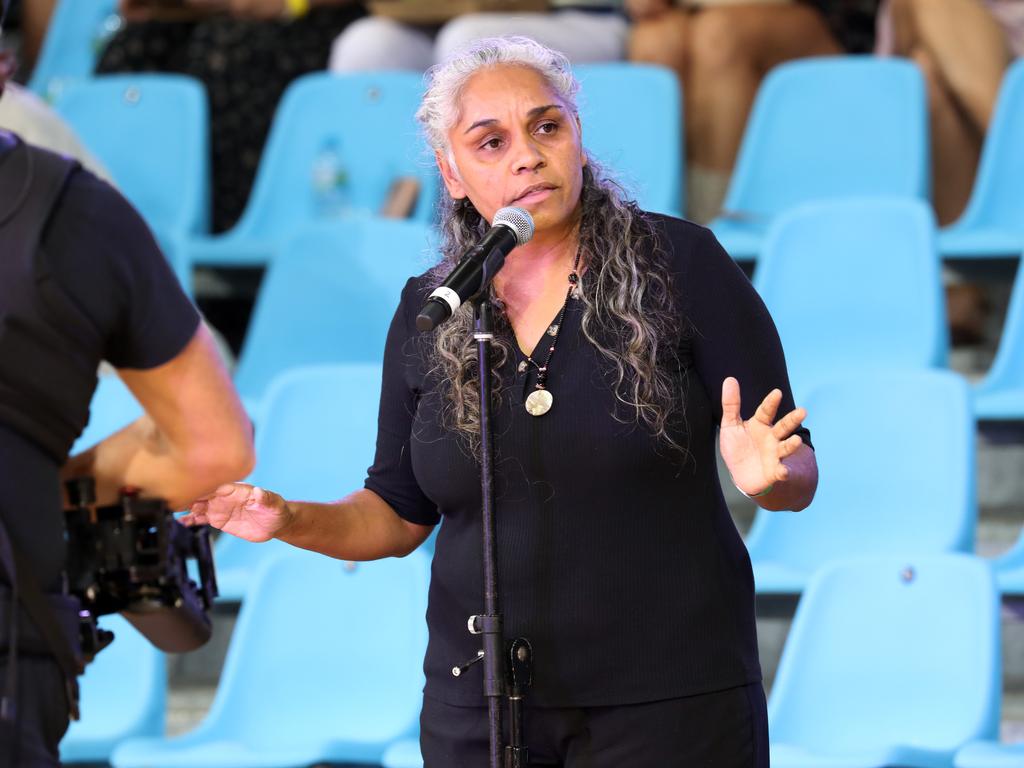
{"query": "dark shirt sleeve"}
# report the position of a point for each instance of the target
(109, 263)
(731, 332)
(391, 476)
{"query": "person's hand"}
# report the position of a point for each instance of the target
(243, 510)
(753, 450)
(638, 10)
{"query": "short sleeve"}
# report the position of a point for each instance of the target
(731, 331)
(391, 475)
(108, 261)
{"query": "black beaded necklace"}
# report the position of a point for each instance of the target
(540, 400)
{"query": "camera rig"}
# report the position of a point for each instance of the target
(133, 558)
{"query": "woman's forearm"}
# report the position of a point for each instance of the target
(361, 526)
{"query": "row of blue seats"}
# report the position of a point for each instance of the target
(819, 129)
(336, 146)
(891, 661)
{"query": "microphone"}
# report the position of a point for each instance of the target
(476, 269)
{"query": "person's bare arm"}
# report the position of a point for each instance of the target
(194, 436)
(361, 526)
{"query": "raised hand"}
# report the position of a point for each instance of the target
(753, 450)
(243, 510)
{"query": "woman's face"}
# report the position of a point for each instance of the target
(515, 143)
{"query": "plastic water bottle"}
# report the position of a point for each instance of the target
(107, 27)
(329, 182)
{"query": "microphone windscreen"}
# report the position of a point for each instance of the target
(516, 219)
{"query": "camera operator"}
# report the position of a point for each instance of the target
(82, 280)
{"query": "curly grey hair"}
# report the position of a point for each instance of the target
(629, 314)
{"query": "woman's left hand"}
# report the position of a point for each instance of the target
(753, 450)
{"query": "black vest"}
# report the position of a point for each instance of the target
(47, 355)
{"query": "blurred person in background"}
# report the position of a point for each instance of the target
(82, 281)
(585, 30)
(245, 52)
(963, 47)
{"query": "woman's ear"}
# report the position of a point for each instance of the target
(450, 176)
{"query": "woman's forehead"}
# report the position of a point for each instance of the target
(501, 87)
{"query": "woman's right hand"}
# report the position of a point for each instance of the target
(243, 510)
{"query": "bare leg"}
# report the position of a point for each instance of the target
(956, 144)
(663, 40)
(965, 43)
(35, 18)
(731, 50)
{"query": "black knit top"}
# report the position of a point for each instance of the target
(617, 558)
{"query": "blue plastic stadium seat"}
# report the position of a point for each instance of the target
(632, 117)
(152, 132)
(894, 478)
(853, 283)
(993, 223)
(354, 133)
(1000, 395)
(891, 661)
(403, 754)
(331, 297)
(324, 666)
(73, 40)
(990, 754)
(822, 128)
(315, 441)
(123, 695)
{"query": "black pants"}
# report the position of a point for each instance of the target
(724, 729)
(41, 717)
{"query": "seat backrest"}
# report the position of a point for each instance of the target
(341, 643)
(894, 650)
(152, 132)
(1007, 369)
(632, 117)
(895, 452)
(315, 441)
(123, 694)
(353, 133)
(998, 194)
(329, 297)
(854, 282)
(832, 127)
(317, 435)
(74, 37)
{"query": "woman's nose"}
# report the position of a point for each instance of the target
(527, 156)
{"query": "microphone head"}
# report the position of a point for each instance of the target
(516, 219)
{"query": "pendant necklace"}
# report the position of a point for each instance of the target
(540, 400)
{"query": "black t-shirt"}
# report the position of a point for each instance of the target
(131, 311)
(618, 559)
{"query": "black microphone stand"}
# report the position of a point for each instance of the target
(504, 675)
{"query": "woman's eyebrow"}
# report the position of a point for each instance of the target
(535, 112)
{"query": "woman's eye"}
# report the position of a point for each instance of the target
(492, 143)
(548, 127)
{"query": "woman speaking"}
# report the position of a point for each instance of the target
(617, 556)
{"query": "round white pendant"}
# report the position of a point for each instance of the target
(539, 402)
